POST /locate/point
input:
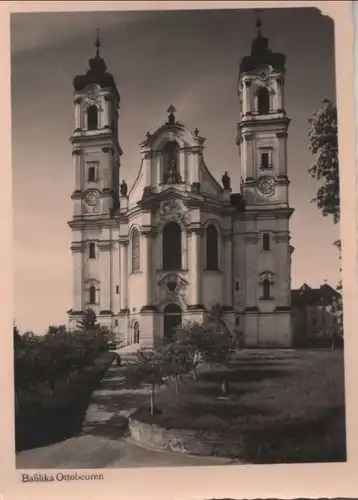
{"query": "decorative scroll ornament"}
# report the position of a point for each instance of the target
(173, 286)
(266, 186)
(92, 92)
(91, 197)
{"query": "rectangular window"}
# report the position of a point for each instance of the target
(117, 289)
(92, 171)
(92, 250)
(266, 242)
(266, 158)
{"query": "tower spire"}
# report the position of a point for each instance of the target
(258, 22)
(98, 42)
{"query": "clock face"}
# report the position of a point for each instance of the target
(91, 197)
(266, 186)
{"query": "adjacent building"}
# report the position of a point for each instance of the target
(314, 313)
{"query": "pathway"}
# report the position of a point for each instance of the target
(103, 442)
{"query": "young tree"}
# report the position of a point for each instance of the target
(88, 322)
(323, 140)
(179, 360)
(149, 367)
(192, 337)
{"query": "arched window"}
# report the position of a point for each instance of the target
(171, 172)
(212, 250)
(92, 294)
(172, 258)
(266, 289)
(92, 250)
(263, 101)
(135, 251)
(92, 118)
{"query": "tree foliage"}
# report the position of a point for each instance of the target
(57, 354)
(323, 140)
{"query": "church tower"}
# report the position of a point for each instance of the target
(96, 153)
(262, 141)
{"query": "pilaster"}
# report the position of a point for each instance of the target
(78, 277)
(105, 275)
(123, 250)
(251, 246)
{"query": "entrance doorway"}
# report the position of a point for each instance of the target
(172, 319)
(136, 333)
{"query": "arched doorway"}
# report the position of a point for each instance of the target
(172, 319)
(136, 333)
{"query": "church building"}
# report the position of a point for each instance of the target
(151, 256)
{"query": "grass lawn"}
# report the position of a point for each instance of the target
(283, 407)
(45, 417)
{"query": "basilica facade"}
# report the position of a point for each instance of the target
(163, 251)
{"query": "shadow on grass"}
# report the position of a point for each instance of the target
(243, 373)
(321, 440)
(50, 425)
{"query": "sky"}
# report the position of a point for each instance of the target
(186, 58)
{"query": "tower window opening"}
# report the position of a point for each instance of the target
(266, 242)
(91, 173)
(92, 118)
(92, 250)
(265, 160)
(263, 101)
(266, 289)
(92, 295)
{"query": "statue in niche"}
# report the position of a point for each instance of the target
(225, 179)
(124, 188)
(170, 157)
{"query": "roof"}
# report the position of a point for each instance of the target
(307, 296)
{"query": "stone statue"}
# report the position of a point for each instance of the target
(225, 179)
(124, 188)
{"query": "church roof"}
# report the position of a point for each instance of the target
(261, 55)
(96, 74)
(173, 124)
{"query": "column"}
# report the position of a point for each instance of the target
(247, 101)
(228, 271)
(106, 122)
(77, 276)
(195, 267)
(123, 251)
(252, 279)
(105, 275)
(77, 114)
